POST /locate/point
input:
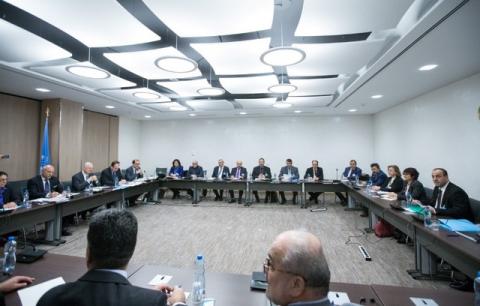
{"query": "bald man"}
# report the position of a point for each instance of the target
(45, 185)
(84, 178)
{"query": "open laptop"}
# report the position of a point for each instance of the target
(161, 172)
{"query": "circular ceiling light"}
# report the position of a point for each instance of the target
(282, 105)
(282, 88)
(88, 72)
(297, 111)
(146, 95)
(42, 89)
(428, 67)
(178, 108)
(352, 110)
(376, 96)
(282, 56)
(211, 91)
(147, 116)
(109, 106)
(242, 113)
(192, 115)
(176, 64)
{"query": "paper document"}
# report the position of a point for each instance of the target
(160, 279)
(31, 295)
(338, 298)
(423, 302)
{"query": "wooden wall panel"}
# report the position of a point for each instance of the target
(70, 149)
(113, 149)
(19, 136)
(96, 143)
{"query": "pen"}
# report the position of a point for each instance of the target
(466, 236)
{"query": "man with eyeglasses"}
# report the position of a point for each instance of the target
(8, 198)
(296, 270)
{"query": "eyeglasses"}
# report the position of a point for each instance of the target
(268, 266)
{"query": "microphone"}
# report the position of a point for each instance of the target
(4, 156)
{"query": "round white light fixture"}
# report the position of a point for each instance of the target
(281, 104)
(146, 95)
(297, 111)
(178, 108)
(42, 89)
(242, 113)
(147, 116)
(428, 67)
(109, 106)
(192, 115)
(176, 64)
(282, 88)
(282, 56)
(352, 110)
(211, 91)
(377, 96)
(88, 72)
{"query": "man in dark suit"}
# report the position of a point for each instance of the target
(8, 198)
(112, 175)
(448, 200)
(315, 174)
(111, 239)
(289, 172)
(351, 173)
(84, 178)
(238, 173)
(378, 177)
(44, 185)
(195, 171)
(262, 173)
(134, 171)
(220, 172)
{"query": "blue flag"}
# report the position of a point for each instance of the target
(45, 154)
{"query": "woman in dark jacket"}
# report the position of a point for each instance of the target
(411, 186)
(394, 182)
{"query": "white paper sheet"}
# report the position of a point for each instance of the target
(31, 295)
(160, 279)
(338, 298)
(423, 302)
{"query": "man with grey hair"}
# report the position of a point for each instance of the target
(84, 178)
(111, 240)
(297, 271)
(44, 185)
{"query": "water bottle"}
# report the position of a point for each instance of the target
(89, 189)
(275, 177)
(68, 192)
(9, 260)
(197, 295)
(26, 197)
(369, 187)
(116, 180)
(357, 179)
(427, 217)
(409, 198)
(200, 273)
(476, 286)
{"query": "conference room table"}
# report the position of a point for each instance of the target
(228, 288)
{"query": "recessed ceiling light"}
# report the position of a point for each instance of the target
(88, 72)
(282, 56)
(42, 89)
(109, 106)
(178, 108)
(192, 115)
(211, 91)
(146, 95)
(147, 116)
(176, 64)
(282, 88)
(377, 96)
(352, 110)
(428, 67)
(297, 111)
(242, 113)
(281, 104)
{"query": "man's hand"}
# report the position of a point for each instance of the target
(177, 295)
(165, 288)
(393, 195)
(93, 178)
(15, 283)
(10, 205)
(431, 209)
(53, 194)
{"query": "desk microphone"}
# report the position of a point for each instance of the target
(4, 156)
(336, 169)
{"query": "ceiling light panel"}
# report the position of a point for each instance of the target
(256, 103)
(142, 63)
(129, 95)
(244, 85)
(186, 88)
(218, 17)
(315, 86)
(309, 101)
(21, 43)
(166, 107)
(210, 105)
(94, 23)
(60, 72)
(336, 58)
(326, 17)
(239, 57)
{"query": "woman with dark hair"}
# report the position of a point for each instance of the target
(411, 186)
(176, 171)
(394, 183)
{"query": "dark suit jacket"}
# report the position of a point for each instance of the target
(378, 179)
(396, 186)
(257, 171)
(36, 189)
(225, 173)
(198, 171)
(318, 173)
(130, 174)
(9, 196)
(456, 202)
(79, 183)
(106, 177)
(101, 288)
(243, 171)
(357, 173)
(416, 190)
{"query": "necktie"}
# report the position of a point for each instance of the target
(238, 173)
(314, 173)
(289, 172)
(439, 199)
(47, 186)
(220, 171)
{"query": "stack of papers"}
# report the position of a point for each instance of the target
(459, 225)
(31, 295)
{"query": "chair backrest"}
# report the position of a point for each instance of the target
(18, 187)
(475, 206)
(429, 192)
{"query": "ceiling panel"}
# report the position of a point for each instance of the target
(21, 43)
(186, 88)
(240, 57)
(60, 72)
(309, 101)
(217, 17)
(327, 17)
(142, 63)
(244, 85)
(210, 105)
(308, 87)
(94, 23)
(128, 95)
(335, 58)
(167, 107)
(256, 103)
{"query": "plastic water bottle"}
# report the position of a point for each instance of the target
(89, 189)
(369, 187)
(409, 198)
(116, 180)
(476, 286)
(9, 260)
(26, 197)
(427, 217)
(200, 273)
(357, 179)
(197, 295)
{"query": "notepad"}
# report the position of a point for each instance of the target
(31, 295)
(338, 298)
(459, 225)
(160, 279)
(423, 302)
